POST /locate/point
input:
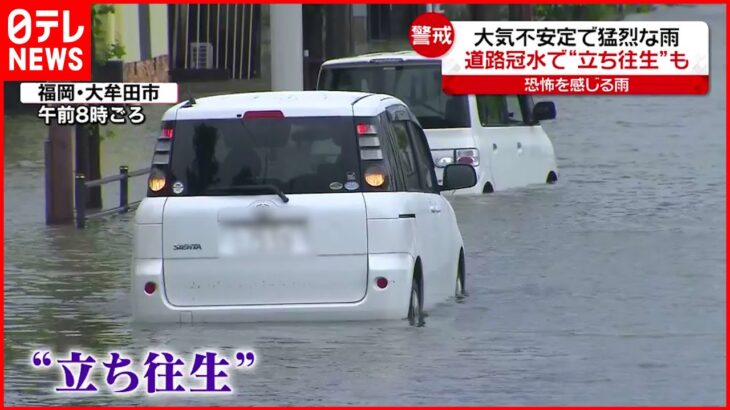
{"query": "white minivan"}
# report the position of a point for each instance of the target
(292, 206)
(500, 135)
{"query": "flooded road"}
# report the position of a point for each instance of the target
(605, 289)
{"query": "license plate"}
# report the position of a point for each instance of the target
(267, 239)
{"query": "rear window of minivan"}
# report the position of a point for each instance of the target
(417, 85)
(298, 155)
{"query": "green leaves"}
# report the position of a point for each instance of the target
(110, 50)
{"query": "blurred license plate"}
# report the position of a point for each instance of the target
(265, 239)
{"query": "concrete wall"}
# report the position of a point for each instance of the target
(127, 30)
(145, 42)
(158, 29)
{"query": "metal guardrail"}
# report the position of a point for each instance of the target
(82, 186)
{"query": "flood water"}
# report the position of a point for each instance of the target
(605, 289)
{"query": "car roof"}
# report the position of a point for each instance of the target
(291, 103)
(405, 56)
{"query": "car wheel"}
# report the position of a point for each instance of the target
(415, 306)
(552, 178)
(460, 291)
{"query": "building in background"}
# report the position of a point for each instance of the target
(214, 41)
(130, 41)
(142, 29)
(208, 42)
(388, 22)
(218, 42)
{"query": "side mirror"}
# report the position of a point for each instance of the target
(544, 110)
(459, 176)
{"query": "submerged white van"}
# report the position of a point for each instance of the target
(294, 206)
(499, 135)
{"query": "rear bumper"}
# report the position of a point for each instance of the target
(378, 304)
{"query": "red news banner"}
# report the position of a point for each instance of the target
(530, 57)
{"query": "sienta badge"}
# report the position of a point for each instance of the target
(177, 187)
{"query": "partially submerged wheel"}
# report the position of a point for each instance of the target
(415, 306)
(460, 291)
(551, 178)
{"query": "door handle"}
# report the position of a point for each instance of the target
(435, 209)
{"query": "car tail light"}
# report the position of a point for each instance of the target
(150, 287)
(366, 129)
(468, 156)
(381, 282)
(167, 133)
(249, 115)
(156, 181)
(376, 169)
(368, 134)
(442, 158)
(375, 177)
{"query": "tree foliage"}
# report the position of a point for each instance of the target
(112, 49)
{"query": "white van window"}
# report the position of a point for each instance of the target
(514, 112)
(406, 157)
(491, 109)
(417, 85)
(425, 163)
(298, 155)
(499, 110)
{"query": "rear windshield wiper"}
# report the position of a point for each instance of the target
(250, 188)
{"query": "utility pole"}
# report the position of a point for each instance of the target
(59, 174)
(88, 137)
(528, 12)
(312, 24)
(520, 12)
(287, 51)
(486, 12)
(338, 35)
(88, 160)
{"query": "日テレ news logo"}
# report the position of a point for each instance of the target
(46, 42)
